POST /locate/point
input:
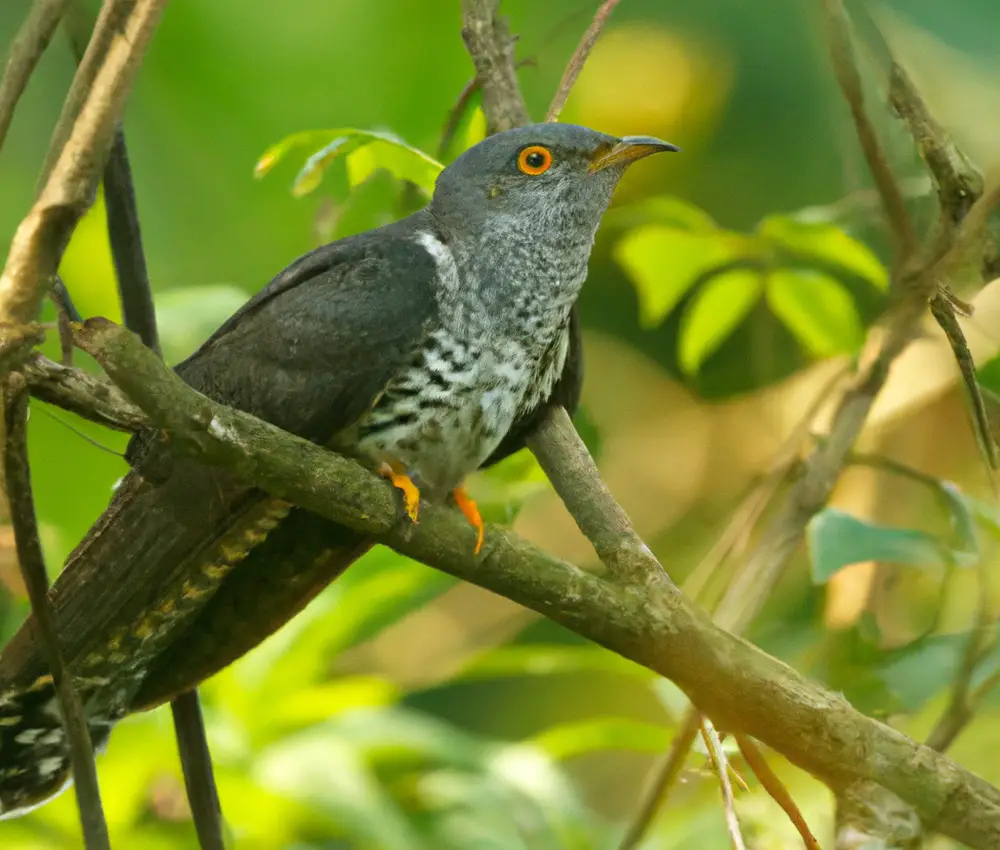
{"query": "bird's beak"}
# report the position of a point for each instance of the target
(628, 149)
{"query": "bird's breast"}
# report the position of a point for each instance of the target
(453, 404)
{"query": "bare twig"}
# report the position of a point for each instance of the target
(27, 48)
(196, 762)
(579, 58)
(492, 50)
(717, 755)
(41, 238)
(571, 469)
(842, 52)
(17, 482)
(776, 789)
(85, 395)
(666, 777)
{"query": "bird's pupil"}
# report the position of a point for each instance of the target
(535, 159)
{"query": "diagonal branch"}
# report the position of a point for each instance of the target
(27, 48)
(579, 59)
(741, 688)
(42, 236)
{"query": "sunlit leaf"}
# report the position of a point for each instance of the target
(715, 311)
(603, 733)
(826, 244)
(837, 539)
(365, 151)
(327, 773)
(816, 308)
(665, 262)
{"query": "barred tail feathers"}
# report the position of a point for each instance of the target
(34, 755)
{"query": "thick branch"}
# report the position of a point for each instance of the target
(741, 688)
(41, 238)
(492, 50)
(27, 48)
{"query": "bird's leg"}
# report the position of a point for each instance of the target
(465, 503)
(401, 481)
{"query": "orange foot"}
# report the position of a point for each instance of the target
(471, 512)
(402, 481)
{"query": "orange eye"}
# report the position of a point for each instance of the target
(534, 160)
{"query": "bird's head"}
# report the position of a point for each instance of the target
(559, 176)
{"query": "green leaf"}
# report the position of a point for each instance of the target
(718, 307)
(187, 315)
(665, 262)
(603, 733)
(825, 244)
(817, 309)
(325, 772)
(837, 540)
(364, 150)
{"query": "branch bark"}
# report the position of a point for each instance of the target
(41, 238)
(741, 688)
(492, 50)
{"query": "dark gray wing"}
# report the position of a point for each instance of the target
(309, 353)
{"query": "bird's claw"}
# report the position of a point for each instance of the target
(402, 482)
(470, 511)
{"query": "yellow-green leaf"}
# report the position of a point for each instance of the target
(665, 262)
(662, 209)
(364, 150)
(720, 305)
(816, 308)
(824, 243)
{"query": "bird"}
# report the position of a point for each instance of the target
(425, 349)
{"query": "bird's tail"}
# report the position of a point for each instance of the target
(34, 753)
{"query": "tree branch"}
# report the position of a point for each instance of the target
(42, 236)
(27, 48)
(17, 483)
(492, 50)
(741, 688)
(579, 59)
(573, 473)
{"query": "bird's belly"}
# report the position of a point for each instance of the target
(441, 431)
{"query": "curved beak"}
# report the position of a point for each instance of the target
(628, 149)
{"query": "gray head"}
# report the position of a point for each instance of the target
(558, 176)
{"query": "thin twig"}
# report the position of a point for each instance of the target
(27, 48)
(579, 58)
(846, 69)
(42, 236)
(720, 762)
(17, 480)
(89, 397)
(196, 762)
(665, 779)
(776, 789)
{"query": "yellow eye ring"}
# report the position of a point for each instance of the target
(534, 160)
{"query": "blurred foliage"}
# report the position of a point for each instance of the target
(401, 710)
